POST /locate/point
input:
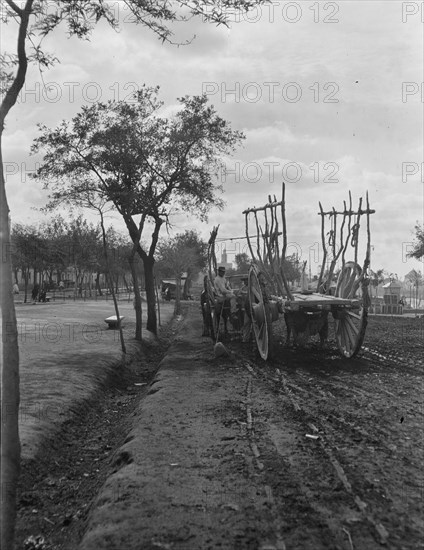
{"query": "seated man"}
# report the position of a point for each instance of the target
(224, 291)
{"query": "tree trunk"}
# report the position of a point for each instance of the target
(126, 283)
(9, 401)
(187, 284)
(98, 289)
(9, 440)
(89, 282)
(26, 278)
(76, 274)
(177, 308)
(110, 284)
(148, 263)
(137, 296)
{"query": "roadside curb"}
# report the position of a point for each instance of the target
(164, 485)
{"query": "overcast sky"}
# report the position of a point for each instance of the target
(329, 95)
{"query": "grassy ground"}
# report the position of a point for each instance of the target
(67, 353)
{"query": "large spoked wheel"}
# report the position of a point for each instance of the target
(260, 312)
(351, 323)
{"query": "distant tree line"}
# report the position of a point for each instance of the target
(45, 253)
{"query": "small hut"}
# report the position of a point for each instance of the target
(392, 298)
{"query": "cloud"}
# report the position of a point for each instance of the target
(317, 91)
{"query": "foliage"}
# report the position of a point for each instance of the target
(81, 16)
(418, 251)
(414, 277)
(131, 157)
(58, 245)
(377, 278)
(291, 268)
(185, 253)
(28, 247)
(242, 261)
(175, 256)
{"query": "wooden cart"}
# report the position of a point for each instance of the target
(306, 312)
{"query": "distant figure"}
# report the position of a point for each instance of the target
(15, 288)
(43, 293)
(34, 293)
(61, 285)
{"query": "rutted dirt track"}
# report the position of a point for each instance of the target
(306, 451)
(350, 436)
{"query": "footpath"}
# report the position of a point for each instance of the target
(186, 476)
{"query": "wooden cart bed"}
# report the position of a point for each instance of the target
(321, 301)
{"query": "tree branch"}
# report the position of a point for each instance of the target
(19, 80)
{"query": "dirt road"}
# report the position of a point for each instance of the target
(308, 451)
(349, 435)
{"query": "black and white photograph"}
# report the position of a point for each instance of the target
(212, 298)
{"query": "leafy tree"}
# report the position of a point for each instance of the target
(83, 239)
(28, 249)
(56, 258)
(242, 262)
(192, 241)
(84, 196)
(146, 165)
(195, 262)
(34, 20)
(418, 251)
(377, 278)
(54, 246)
(175, 256)
(291, 268)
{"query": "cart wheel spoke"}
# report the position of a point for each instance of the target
(257, 294)
(355, 315)
(351, 333)
(343, 337)
(351, 324)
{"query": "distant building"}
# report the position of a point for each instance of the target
(224, 261)
(392, 298)
(377, 304)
